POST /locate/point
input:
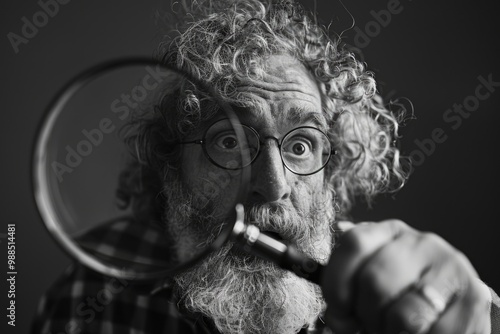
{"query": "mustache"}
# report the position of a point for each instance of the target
(310, 232)
(282, 219)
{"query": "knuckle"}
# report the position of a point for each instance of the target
(434, 240)
(395, 223)
(452, 255)
(396, 226)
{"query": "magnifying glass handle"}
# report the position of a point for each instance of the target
(251, 240)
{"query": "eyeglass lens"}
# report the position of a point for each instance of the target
(304, 150)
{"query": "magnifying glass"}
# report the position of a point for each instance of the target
(89, 136)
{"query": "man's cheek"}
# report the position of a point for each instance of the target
(305, 191)
(211, 185)
(215, 186)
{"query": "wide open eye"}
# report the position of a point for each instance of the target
(224, 149)
(227, 142)
(223, 146)
(298, 147)
(305, 150)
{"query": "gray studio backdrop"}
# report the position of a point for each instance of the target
(442, 56)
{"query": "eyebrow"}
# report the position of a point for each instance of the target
(300, 115)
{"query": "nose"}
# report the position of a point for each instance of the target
(269, 183)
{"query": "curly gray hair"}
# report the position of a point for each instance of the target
(220, 41)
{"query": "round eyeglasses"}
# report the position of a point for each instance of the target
(304, 150)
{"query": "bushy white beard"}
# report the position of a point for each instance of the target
(244, 294)
(248, 295)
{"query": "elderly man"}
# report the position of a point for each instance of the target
(296, 93)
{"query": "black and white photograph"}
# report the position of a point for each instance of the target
(250, 166)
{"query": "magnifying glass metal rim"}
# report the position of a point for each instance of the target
(41, 187)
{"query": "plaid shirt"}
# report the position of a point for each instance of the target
(85, 302)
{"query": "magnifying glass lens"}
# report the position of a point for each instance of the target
(107, 175)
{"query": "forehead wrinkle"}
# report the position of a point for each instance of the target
(281, 73)
(283, 110)
(277, 91)
(281, 95)
(264, 99)
(284, 69)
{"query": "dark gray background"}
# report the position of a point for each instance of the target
(431, 53)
